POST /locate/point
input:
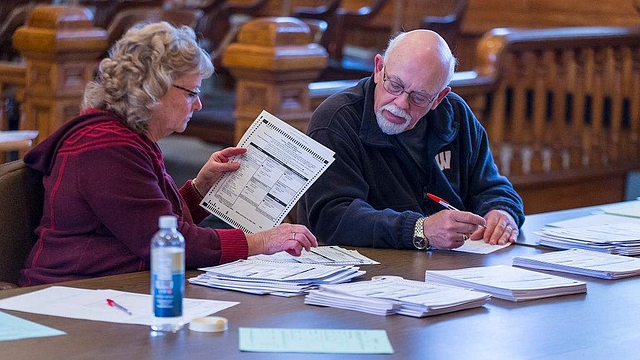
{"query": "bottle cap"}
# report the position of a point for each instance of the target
(209, 324)
(167, 222)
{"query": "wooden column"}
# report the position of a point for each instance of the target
(61, 48)
(273, 63)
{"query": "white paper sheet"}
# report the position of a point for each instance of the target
(92, 305)
(479, 247)
(631, 209)
(325, 255)
(280, 164)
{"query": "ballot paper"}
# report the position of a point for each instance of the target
(325, 255)
(280, 164)
(582, 262)
(508, 282)
(267, 277)
(386, 295)
(616, 238)
(479, 247)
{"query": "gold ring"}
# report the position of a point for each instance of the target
(465, 237)
(293, 236)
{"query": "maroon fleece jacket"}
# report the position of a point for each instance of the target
(105, 188)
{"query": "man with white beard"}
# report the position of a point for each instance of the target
(399, 135)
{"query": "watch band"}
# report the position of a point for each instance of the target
(420, 242)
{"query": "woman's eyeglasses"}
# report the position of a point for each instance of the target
(191, 95)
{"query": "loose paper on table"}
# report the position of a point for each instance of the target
(14, 328)
(92, 305)
(631, 209)
(592, 220)
(279, 166)
(479, 247)
(336, 341)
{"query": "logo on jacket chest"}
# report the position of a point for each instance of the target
(444, 160)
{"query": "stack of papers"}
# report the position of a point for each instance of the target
(267, 277)
(325, 255)
(394, 295)
(583, 262)
(509, 283)
(617, 238)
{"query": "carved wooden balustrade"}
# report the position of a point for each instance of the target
(562, 111)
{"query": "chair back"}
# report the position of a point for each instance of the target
(21, 202)
(125, 19)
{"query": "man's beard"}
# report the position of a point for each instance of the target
(387, 126)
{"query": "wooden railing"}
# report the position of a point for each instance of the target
(563, 114)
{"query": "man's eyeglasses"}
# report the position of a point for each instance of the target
(396, 88)
(191, 95)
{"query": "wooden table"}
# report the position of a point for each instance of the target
(600, 324)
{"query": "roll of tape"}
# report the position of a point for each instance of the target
(209, 324)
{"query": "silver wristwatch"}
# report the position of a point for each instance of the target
(420, 242)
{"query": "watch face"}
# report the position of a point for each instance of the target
(419, 243)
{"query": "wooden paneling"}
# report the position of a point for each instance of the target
(484, 15)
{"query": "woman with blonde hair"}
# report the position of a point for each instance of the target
(104, 177)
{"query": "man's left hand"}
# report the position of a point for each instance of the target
(501, 228)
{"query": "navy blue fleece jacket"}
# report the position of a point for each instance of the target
(374, 191)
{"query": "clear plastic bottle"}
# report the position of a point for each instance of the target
(167, 275)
